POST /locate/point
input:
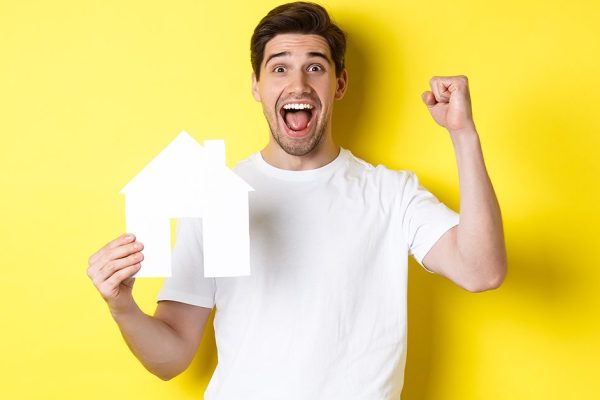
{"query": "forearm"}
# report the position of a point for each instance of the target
(480, 237)
(153, 342)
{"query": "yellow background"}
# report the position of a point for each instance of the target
(90, 91)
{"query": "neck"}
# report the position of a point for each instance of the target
(325, 152)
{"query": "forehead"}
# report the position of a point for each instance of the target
(297, 44)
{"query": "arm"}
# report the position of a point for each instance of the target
(473, 253)
(164, 343)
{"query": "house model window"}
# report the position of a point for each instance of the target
(188, 180)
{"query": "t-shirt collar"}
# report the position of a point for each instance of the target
(304, 175)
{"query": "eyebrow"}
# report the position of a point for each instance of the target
(287, 53)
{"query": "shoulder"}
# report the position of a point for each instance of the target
(245, 164)
(246, 168)
(381, 176)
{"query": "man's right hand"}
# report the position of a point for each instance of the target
(111, 269)
(164, 343)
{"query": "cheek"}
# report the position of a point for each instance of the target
(325, 91)
(269, 97)
(269, 102)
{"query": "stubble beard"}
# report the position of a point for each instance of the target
(299, 147)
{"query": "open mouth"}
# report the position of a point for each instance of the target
(298, 118)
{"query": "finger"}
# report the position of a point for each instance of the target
(116, 265)
(439, 87)
(124, 238)
(428, 98)
(108, 256)
(461, 85)
(451, 84)
(435, 89)
(121, 240)
(442, 88)
(119, 277)
(107, 287)
(128, 282)
(120, 252)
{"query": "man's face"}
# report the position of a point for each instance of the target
(297, 88)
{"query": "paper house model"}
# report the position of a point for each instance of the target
(187, 179)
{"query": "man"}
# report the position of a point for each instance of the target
(323, 315)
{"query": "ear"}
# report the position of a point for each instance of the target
(342, 85)
(255, 92)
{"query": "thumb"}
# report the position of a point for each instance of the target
(428, 98)
(129, 282)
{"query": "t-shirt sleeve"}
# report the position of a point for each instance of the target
(425, 218)
(187, 283)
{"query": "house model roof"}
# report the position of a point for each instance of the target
(185, 163)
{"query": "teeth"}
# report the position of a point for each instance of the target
(297, 106)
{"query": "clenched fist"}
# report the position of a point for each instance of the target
(111, 269)
(449, 102)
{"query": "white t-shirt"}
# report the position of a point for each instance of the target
(323, 313)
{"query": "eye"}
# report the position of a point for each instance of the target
(315, 68)
(279, 69)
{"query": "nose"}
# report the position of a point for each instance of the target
(299, 83)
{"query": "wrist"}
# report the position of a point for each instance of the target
(123, 311)
(466, 137)
(468, 130)
(467, 148)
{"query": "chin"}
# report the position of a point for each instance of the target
(299, 147)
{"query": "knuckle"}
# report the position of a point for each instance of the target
(97, 283)
(121, 275)
(111, 266)
(104, 290)
(116, 277)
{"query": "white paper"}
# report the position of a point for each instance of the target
(187, 179)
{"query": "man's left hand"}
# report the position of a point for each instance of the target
(449, 102)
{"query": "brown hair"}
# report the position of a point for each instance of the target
(297, 17)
